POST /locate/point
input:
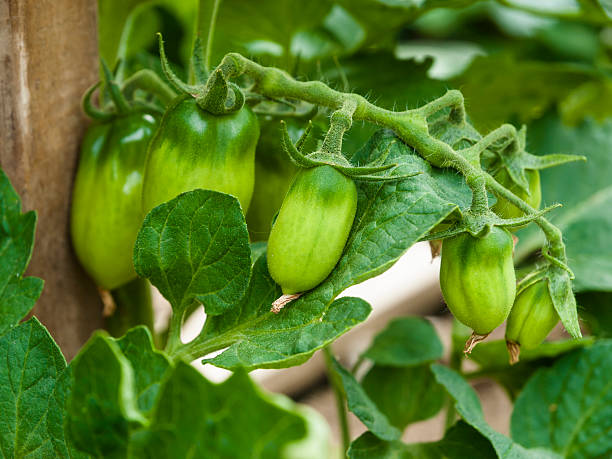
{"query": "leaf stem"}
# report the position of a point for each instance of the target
(334, 381)
(211, 34)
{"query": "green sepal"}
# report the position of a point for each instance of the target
(90, 109)
(510, 154)
(480, 225)
(338, 162)
(212, 96)
(121, 104)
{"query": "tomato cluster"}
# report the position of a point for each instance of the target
(132, 161)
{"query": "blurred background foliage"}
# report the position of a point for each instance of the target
(546, 64)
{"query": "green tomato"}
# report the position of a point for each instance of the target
(195, 149)
(106, 199)
(311, 229)
(504, 208)
(477, 278)
(533, 316)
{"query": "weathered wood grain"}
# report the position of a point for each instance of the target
(48, 57)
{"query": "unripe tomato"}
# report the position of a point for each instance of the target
(506, 209)
(477, 278)
(533, 316)
(106, 200)
(311, 229)
(195, 149)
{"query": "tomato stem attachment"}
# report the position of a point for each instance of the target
(514, 350)
(281, 301)
(472, 341)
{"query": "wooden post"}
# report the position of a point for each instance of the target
(48, 51)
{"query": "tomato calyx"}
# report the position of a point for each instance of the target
(215, 95)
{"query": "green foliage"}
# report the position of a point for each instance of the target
(468, 406)
(226, 419)
(363, 407)
(405, 342)
(195, 248)
(273, 32)
(102, 409)
(492, 357)
(459, 442)
(566, 408)
(586, 215)
(31, 362)
(17, 294)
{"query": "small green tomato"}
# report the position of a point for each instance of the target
(477, 278)
(311, 229)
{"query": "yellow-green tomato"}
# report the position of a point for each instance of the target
(311, 229)
(195, 149)
(106, 198)
(506, 209)
(477, 278)
(533, 316)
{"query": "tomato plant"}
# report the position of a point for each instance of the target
(224, 197)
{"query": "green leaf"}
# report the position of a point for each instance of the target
(63, 447)
(568, 407)
(390, 218)
(126, 27)
(406, 341)
(266, 29)
(499, 88)
(364, 408)
(595, 309)
(460, 441)
(196, 248)
(17, 294)
(149, 364)
(404, 395)
(586, 215)
(195, 418)
(382, 19)
(492, 357)
(468, 406)
(101, 408)
(31, 364)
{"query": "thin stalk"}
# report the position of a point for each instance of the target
(211, 34)
(340, 399)
(451, 411)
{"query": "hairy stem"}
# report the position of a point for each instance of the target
(340, 399)
(410, 126)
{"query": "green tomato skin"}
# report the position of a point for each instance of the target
(195, 149)
(106, 200)
(533, 316)
(477, 278)
(311, 229)
(504, 208)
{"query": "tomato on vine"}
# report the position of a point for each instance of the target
(477, 278)
(106, 199)
(196, 149)
(532, 318)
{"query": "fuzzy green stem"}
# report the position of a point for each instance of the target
(340, 122)
(340, 399)
(410, 125)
